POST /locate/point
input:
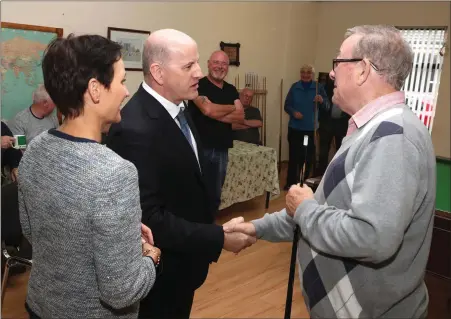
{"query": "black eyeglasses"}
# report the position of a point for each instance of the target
(335, 63)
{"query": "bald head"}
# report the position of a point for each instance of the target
(171, 65)
(219, 54)
(161, 44)
(218, 66)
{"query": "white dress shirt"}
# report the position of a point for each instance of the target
(173, 111)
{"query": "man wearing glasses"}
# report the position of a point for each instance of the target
(213, 112)
(366, 232)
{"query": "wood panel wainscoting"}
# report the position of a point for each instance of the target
(438, 269)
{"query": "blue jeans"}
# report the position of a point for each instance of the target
(217, 161)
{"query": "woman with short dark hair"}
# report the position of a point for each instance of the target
(79, 201)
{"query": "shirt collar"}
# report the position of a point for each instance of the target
(172, 108)
(300, 86)
(376, 106)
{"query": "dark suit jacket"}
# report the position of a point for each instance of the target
(175, 201)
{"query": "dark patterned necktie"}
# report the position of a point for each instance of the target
(185, 127)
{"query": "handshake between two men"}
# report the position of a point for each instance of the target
(239, 235)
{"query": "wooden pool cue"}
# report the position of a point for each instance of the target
(280, 125)
(315, 133)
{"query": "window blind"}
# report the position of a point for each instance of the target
(421, 85)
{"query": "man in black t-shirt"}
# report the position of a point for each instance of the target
(248, 131)
(213, 112)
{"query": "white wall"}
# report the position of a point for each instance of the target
(276, 37)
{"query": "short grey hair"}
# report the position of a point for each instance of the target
(308, 67)
(386, 48)
(152, 53)
(40, 94)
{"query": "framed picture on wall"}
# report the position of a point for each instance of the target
(233, 52)
(132, 42)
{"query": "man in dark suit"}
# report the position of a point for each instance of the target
(158, 137)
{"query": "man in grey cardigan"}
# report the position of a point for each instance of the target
(366, 232)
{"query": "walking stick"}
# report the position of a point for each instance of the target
(294, 248)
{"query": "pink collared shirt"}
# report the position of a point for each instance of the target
(376, 106)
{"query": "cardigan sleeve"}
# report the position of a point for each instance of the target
(116, 227)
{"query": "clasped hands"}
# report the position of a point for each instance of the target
(239, 235)
(148, 248)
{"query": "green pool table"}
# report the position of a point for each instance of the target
(443, 199)
(438, 275)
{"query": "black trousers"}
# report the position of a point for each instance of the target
(167, 299)
(328, 131)
(296, 155)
